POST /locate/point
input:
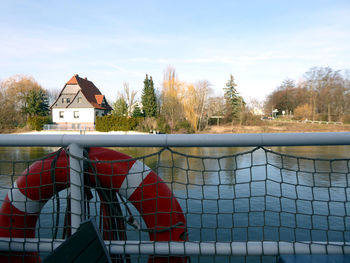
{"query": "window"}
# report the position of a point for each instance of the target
(76, 114)
(61, 113)
(63, 100)
(79, 100)
(68, 100)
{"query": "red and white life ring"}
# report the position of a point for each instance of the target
(135, 181)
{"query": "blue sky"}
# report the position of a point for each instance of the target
(110, 42)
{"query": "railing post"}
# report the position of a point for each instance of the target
(76, 185)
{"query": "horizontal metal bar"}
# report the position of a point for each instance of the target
(268, 248)
(179, 140)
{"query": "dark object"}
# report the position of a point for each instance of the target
(85, 245)
(314, 259)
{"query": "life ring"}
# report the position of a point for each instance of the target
(135, 181)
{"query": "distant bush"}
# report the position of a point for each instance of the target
(151, 124)
(346, 119)
(250, 119)
(303, 112)
(117, 123)
(148, 124)
(37, 122)
(184, 127)
(162, 125)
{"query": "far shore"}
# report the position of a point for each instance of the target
(279, 127)
(268, 127)
(82, 132)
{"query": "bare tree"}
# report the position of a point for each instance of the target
(324, 90)
(287, 97)
(8, 113)
(255, 106)
(203, 90)
(172, 108)
(327, 88)
(129, 96)
(15, 92)
(216, 107)
(52, 95)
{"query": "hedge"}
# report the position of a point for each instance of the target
(37, 122)
(116, 123)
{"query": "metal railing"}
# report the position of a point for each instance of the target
(76, 144)
(180, 140)
(69, 127)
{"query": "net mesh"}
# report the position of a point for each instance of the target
(240, 200)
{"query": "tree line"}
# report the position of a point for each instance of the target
(179, 105)
(22, 100)
(323, 94)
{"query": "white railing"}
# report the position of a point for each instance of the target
(180, 140)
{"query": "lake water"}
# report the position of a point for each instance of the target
(234, 194)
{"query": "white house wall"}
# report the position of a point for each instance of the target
(86, 115)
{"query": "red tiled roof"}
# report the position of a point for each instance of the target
(90, 91)
(73, 80)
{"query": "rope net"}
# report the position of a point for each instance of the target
(249, 206)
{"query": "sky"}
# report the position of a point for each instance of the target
(261, 43)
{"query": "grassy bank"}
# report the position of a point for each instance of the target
(275, 127)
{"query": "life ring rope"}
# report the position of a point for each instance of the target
(137, 173)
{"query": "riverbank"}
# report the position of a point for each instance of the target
(82, 132)
(278, 127)
(266, 127)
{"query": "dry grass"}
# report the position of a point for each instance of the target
(272, 127)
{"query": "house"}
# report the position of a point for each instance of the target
(78, 104)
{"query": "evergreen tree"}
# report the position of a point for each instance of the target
(137, 111)
(148, 99)
(120, 107)
(37, 103)
(233, 100)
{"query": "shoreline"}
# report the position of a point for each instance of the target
(277, 127)
(82, 132)
(272, 127)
